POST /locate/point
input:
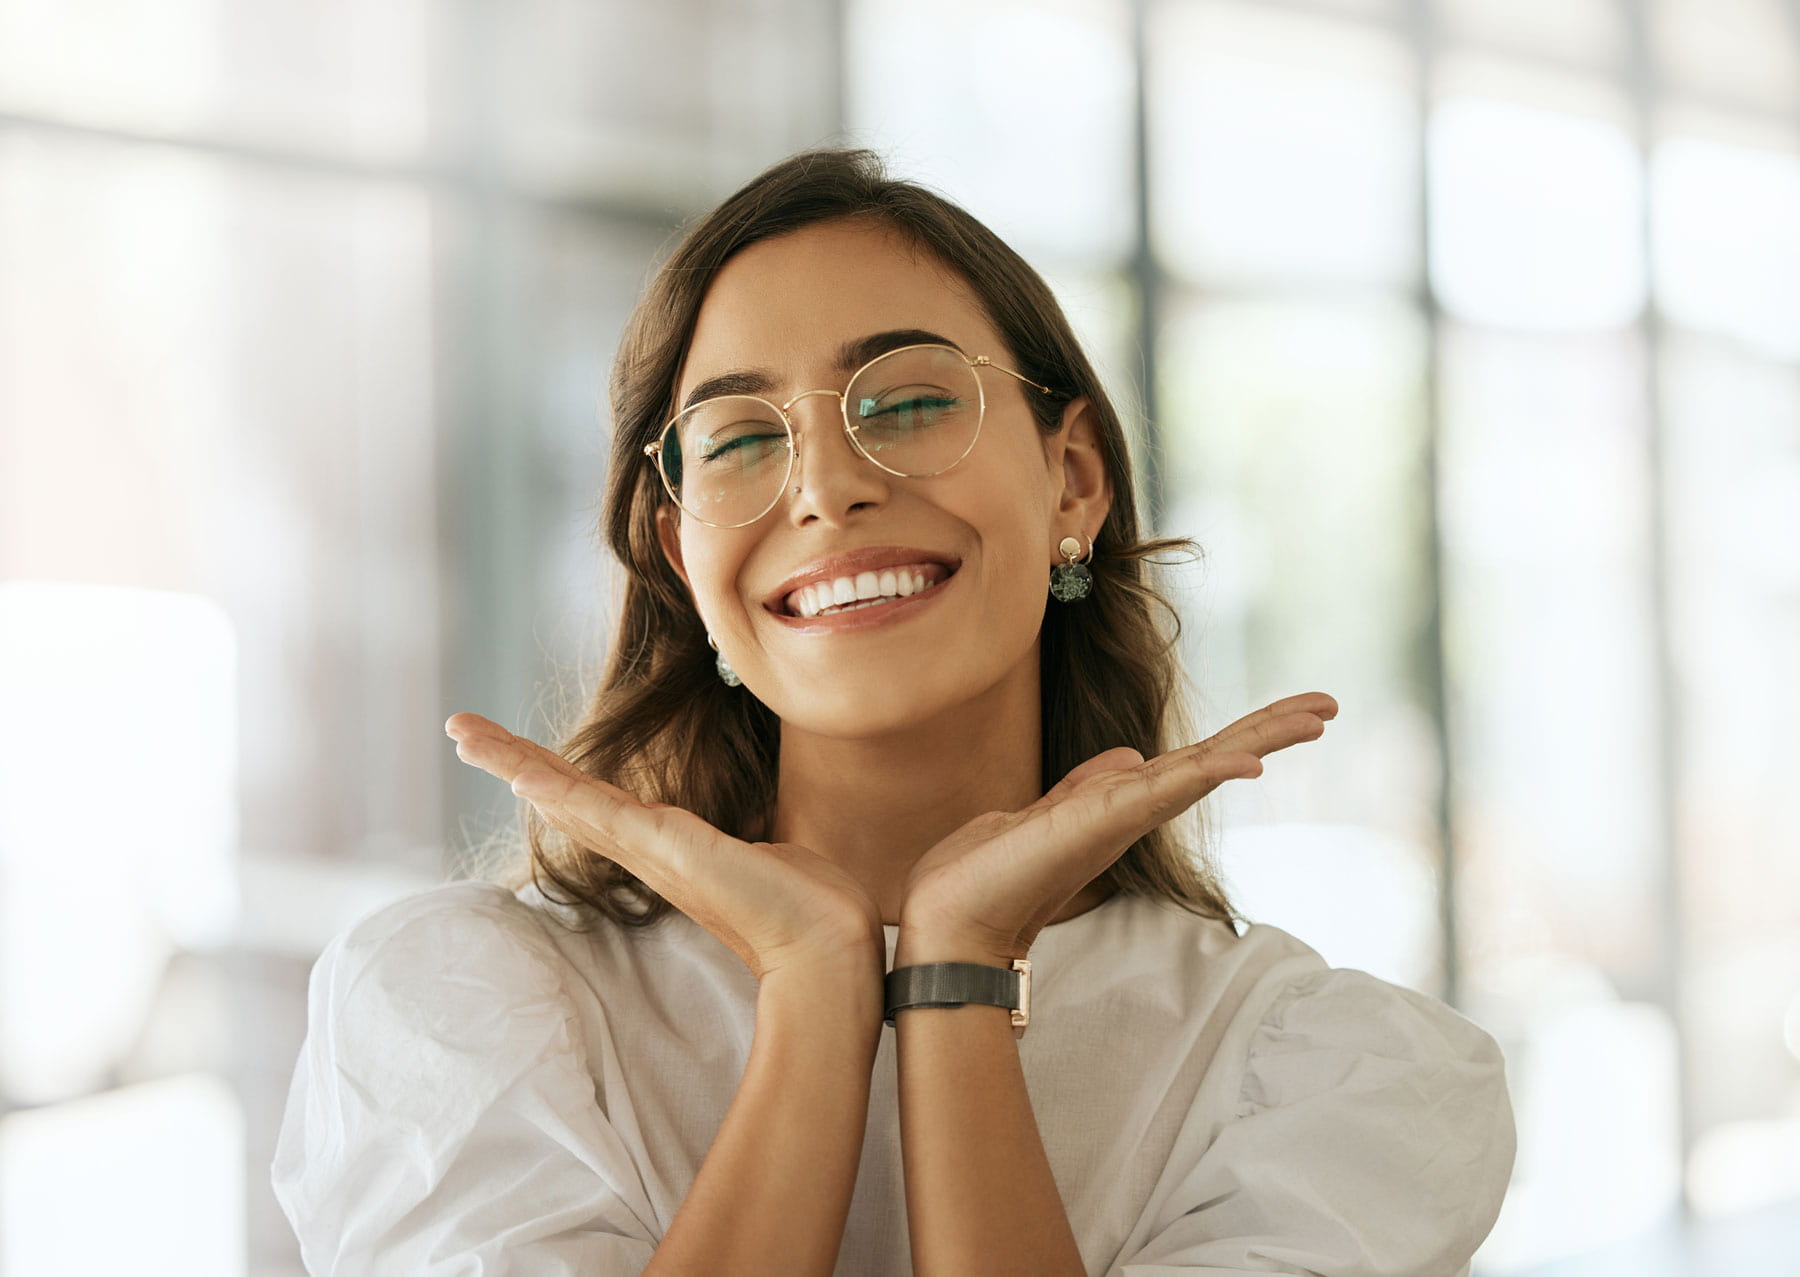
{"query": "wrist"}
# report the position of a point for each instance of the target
(917, 946)
(933, 977)
(836, 978)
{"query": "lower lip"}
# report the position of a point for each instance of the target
(863, 618)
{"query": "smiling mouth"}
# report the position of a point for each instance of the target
(866, 590)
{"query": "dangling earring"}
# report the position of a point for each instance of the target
(725, 670)
(1070, 580)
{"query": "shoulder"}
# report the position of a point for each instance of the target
(1342, 1058)
(1205, 962)
(1320, 1020)
(1366, 1129)
(484, 915)
(1311, 1037)
(1284, 992)
(435, 959)
(434, 1002)
(443, 1114)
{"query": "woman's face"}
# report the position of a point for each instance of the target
(786, 306)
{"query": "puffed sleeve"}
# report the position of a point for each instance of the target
(1373, 1137)
(442, 1121)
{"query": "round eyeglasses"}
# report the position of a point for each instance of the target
(915, 412)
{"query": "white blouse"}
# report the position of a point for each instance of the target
(483, 1091)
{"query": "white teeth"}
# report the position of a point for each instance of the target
(865, 589)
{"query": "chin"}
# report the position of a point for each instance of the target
(852, 711)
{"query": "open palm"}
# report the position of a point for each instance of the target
(1005, 874)
(772, 904)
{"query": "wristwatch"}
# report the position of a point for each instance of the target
(952, 984)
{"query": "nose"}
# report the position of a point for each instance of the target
(831, 478)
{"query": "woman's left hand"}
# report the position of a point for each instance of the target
(1002, 877)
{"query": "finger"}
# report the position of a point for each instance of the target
(605, 819)
(1265, 737)
(1125, 805)
(1318, 704)
(1274, 727)
(568, 820)
(489, 746)
(1179, 772)
(621, 817)
(551, 781)
(618, 826)
(1115, 759)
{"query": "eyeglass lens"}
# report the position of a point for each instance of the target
(913, 412)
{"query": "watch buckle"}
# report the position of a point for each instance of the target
(1021, 1015)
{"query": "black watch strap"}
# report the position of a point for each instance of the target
(953, 984)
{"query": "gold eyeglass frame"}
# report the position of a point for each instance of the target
(653, 450)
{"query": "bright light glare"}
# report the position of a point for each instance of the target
(1534, 217)
(1728, 252)
(1594, 1098)
(1360, 898)
(146, 1180)
(117, 816)
(1281, 151)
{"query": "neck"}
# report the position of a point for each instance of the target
(873, 805)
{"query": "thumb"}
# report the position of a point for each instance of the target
(1115, 759)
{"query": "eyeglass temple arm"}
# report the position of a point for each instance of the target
(986, 362)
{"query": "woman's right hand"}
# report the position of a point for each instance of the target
(773, 904)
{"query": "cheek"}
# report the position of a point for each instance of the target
(1012, 528)
(1019, 599)
(713, 572)
(1012, 585)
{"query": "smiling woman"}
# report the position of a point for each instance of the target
(892, 705)
(806, 274)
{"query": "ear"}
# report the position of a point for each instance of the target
(1085, 494)
(668, 535)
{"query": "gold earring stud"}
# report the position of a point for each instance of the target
(1069, 580)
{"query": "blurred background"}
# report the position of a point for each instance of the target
(1463, 334)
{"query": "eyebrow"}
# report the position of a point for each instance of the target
(851, 356)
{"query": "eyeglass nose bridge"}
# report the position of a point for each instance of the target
(787, 410)
(843, 417)
(834, 394)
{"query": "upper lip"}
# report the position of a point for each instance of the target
(868, 559)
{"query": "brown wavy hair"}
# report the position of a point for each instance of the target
(663, 726)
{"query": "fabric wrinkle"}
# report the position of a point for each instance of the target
(485, 1090)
